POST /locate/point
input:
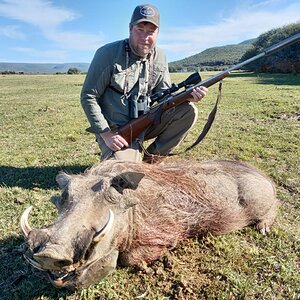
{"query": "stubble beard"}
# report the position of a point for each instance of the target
(140, 50)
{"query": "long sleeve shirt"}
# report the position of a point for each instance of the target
(111, 71)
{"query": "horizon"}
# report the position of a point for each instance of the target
(63, 32)
(80, 62)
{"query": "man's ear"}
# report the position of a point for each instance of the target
(127, 180)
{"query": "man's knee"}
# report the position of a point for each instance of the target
(187, 114)
(191, 110)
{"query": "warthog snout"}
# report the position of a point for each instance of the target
(53, 257)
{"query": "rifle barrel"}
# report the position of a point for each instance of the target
(218, 77)
(212, 80)
(134, 127)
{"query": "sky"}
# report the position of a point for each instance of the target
(62, 31)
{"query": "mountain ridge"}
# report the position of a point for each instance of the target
(214, 56)
(42, 68)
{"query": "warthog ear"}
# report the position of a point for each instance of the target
(127, 180)
(63, 180)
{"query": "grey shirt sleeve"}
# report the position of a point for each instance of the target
(96, 81)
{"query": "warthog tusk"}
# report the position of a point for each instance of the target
(24, 222)
(107, 227)
(34, 263)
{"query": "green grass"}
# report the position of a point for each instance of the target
(43, 131)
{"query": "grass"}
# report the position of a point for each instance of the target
(43, 131)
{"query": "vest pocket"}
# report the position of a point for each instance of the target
(118, 79)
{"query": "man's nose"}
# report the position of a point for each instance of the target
(145, 36)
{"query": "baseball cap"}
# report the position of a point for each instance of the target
(145, 13)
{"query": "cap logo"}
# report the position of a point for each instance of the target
(147, 11)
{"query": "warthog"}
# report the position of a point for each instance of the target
(132, 212)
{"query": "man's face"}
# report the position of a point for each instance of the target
(143, 38)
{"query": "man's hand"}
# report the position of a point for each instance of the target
(198, 93)
(113, 140)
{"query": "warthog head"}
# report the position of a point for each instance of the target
(81, 246)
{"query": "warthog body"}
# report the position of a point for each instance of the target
(133, 212)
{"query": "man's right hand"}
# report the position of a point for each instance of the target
(113, 140)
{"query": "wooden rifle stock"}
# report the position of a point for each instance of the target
(131, 130)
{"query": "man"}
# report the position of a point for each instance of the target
(121, 78)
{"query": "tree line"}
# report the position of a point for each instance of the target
(286, 60)
(71, 71)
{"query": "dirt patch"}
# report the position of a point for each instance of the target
(179, 274)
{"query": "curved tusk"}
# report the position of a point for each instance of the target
(107, 227)
(24, 222)
(34, 263)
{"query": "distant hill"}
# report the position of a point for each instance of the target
(209, 59)
(213, 58)
(42, 68)
(216, 58)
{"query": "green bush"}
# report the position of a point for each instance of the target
(286, 60)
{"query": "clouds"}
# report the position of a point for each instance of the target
(244, 23)
(48, 20)
(40, 13)
(12, 32)
(48, 54)
(74, 40)
(49, 31)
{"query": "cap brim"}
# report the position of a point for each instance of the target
(144, 20)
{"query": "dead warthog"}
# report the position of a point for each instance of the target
(133, 212)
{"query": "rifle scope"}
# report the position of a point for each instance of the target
(191, 80)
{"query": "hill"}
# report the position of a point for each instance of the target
(42, 68)
(215, 58)
(212, 58)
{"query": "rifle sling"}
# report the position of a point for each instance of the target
(202, 135)
(207, 125)
(209, 122)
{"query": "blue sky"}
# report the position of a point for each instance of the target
(70, 31)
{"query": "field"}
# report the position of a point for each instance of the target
(43, 131)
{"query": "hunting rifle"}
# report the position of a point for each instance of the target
(131, 130)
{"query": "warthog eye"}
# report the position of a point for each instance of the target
(37, 249)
